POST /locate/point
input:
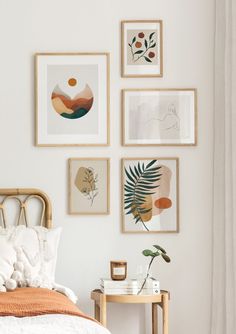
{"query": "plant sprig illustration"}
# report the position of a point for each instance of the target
(138, 186)
(140, 46)
(91, 179)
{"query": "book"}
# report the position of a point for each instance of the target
(129, 287)
(133, 291)
(130, 283)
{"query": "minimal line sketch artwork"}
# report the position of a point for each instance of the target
(169, 121)
(158, 117)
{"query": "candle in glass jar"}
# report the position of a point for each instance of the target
(118, 270)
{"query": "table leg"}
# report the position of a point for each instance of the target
(165, 312)
(103, 310)
(96, 311)
(154, 318)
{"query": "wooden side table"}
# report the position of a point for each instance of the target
(101, 300)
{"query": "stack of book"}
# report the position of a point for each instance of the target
(129, 287)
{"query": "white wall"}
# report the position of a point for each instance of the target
(88, 243)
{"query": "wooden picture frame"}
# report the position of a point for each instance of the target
(150, 195)
(159, 117)
(141, 48)
(89, 186)
(72, 94)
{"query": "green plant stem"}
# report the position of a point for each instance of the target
(149, 46)
(147, 275)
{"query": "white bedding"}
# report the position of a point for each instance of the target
(50, 324)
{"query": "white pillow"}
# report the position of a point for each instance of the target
(7, 260)
(36, 255)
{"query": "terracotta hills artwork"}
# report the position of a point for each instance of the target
(72, 108)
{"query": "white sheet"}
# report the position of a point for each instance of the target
(50, 324)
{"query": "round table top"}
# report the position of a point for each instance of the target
(133, 299)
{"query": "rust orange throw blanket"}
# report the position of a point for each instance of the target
(27, 302)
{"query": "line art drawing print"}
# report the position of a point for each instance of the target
(170, 119)
(154, 118)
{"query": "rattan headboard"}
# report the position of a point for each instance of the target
(22, 197)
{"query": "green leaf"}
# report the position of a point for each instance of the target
(150, 163)
(147, 59)
(139, 168)
(153, 174)
(145, 187)
(150, 36)
(133, 40)
(127, 188)
(166, 257)
(144, 192)
(138, 52)
(131, 211)
(129, 177)
(132, 173)
(129, 195)
(147, 252)
(145, 210)
(154, 168)
(151, 177)
(160, 248)
(153, 46)
(129, 44)
(157, 253)
(139, 199)
(129, 183)
(126, 201)
(146, 43)
(129, 206)
(136, 171)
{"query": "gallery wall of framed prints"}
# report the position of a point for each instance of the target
(72, 99)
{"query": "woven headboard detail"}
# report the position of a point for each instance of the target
(22, 197)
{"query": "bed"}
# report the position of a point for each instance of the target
(31, 306)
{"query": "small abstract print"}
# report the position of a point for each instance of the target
(89, 185)
(150, 195)
(159, 117)
(141, 48)
(72, 99)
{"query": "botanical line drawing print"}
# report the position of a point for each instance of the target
(170, 120)
(140, 47)
(86, 182)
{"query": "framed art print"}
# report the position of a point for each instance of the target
(150, 195)
(141, 49)
(72, 99)
(159, 117)
(89, 184)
